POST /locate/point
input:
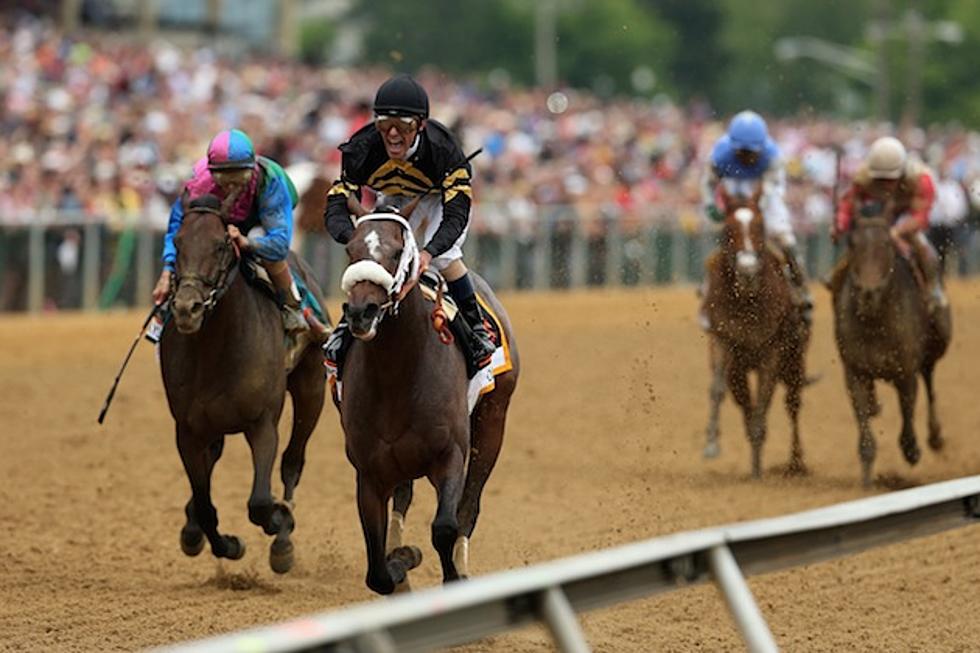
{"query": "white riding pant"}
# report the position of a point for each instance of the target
(425, 221)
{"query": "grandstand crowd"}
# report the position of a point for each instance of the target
(101, 128)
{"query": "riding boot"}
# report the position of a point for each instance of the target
(797, 278)
(336, 346)
(479, 343)
(704, 320)
(289, 299)
(928, 262)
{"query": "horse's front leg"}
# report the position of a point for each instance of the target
(372, 506)
(196, 452)
(716, 393)
(908, 388)
(757, 434)
(862, 392)
(936, 441)
(191, 535)
(738, 385)
(447, 478)
(275, 517)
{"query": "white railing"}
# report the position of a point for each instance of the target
(554, 592)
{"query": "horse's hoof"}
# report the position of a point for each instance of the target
(234, 547)
(191, 542)
(410, 556)
(380, 585)
(711, 450)
(936, 441)
(281, 556)
(911, 452)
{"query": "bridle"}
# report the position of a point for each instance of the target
(213, 287)
(374, 272)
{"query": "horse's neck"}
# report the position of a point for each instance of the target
(402, 336)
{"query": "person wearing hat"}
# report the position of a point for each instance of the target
(744, 159)
(254, 191)
(892, 184)
(403, 155)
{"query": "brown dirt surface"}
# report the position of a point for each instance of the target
(603, 448)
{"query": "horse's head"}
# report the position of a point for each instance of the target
(744, 240)
(205, 257)
(383, 256)
(871, 261)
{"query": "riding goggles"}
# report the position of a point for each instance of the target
(231, 176)
(404, 124)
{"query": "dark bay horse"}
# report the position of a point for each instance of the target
(884, 331)
(223, 362)
(756, 326)
(404, 407)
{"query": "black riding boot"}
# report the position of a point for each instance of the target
(479, 342)
(336, 346)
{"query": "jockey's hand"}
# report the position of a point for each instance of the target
(236, 237)
(425, 259)
(900, 242)
(162, 290)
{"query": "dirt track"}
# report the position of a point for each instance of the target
(603, 447)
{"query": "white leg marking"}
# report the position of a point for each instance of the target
(461, 555)
(396, 526)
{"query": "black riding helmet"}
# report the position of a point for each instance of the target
(401, 96)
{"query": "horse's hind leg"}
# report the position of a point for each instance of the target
(197, 454)
(716, 393)
(447, 477)
(861, 391)
(486, 438)
(307, 390)
(274, 517)
(191, 535)
(908, 388)
(936, 441)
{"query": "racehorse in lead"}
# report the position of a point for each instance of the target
(404, 408)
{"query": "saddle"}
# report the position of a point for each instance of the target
(257, 277)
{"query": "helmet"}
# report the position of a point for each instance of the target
(230, 149)
(401, 96)
(747, 131)
(886, 158)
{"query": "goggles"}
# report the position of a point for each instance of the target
(404, 124)
(231, 176)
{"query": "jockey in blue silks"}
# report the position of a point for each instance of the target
(742, 160)
(255, 192)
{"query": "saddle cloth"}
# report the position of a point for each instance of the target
(484, 380)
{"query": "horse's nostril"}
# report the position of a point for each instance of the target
(371, 311)
(197, 307)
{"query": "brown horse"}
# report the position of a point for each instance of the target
(884, 331)
(756, 326)
(223, 362)
(404, 406)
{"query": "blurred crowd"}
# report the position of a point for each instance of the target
(100, 127)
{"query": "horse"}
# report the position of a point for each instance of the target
(223, 361)
(884, 331)
(756, 326)
(404, 409)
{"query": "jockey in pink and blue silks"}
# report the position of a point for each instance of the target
(254, 192)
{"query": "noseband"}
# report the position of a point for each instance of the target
(374, 272)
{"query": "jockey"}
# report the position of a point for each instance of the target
(741, 160)
(254, 192)
(404, 154)
(890, 183)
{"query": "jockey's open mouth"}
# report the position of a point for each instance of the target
(398, 134)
